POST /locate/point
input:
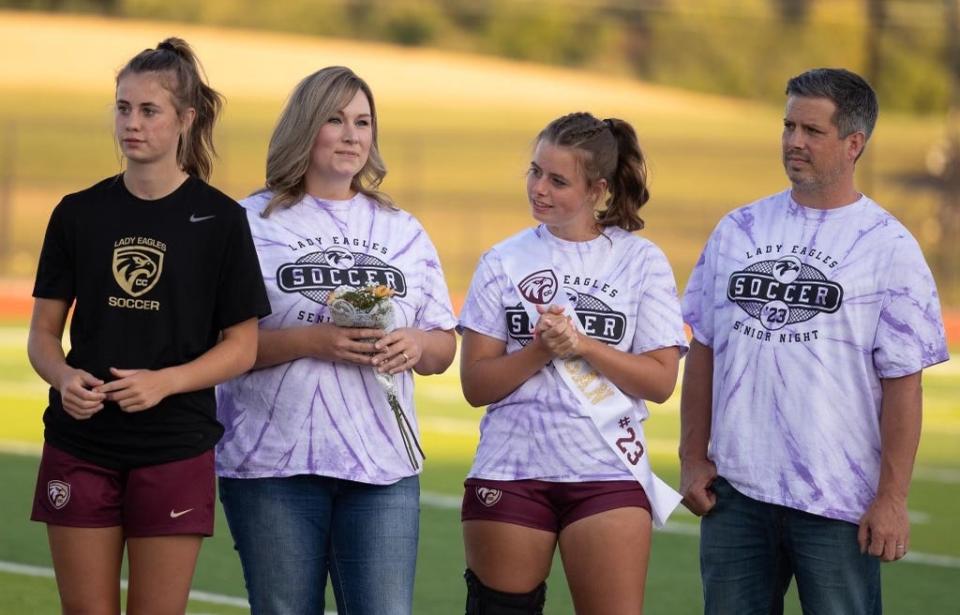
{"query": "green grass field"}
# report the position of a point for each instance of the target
(927, 583)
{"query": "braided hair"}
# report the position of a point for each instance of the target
(606, 149)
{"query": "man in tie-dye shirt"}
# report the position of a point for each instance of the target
(813, 314)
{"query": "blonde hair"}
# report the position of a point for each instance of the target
(181, 75)
(314, 101)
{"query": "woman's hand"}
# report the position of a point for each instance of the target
(136, 390)
(344, 344)
(398, 351)
(79, 394)
(557, 332)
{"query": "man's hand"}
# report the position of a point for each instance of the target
(696, 478)
(885, 529)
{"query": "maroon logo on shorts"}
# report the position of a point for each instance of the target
(58, 492)
(487, 496)
(539, 287)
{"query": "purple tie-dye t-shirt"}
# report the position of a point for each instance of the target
(624, 294)
(318, 417)
(806, 310)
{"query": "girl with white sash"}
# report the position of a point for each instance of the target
(567, 329)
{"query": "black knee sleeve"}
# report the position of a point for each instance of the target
(481, 600)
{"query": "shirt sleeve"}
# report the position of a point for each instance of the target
(698, 298)
(56, 276)
(241, 293)
(483, 309)
(659, 323)
(910, 333)
(436, 311)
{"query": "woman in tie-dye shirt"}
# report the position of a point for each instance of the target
(544, 475)
(315, 478)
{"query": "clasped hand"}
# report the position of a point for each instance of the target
(82, 394)
(78, 393)
(136, 389)
(557, 332)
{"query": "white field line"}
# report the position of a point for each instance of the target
(14, 336)
(47, 573)
(196, 596)
(950, 476)
(449, 502)
(29, 388)
(17, 447)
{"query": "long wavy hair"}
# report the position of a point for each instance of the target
(314, 101)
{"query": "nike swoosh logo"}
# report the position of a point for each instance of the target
(174, 514)
(195, 218)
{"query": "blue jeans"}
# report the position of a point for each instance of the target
(749, 550)
(291, 532)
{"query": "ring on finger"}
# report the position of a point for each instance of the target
(404, 355)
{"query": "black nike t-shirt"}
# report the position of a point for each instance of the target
(154, 283)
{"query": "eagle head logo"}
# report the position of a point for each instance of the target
(488, 497)
(786, 269)
(58, 492)
(339, 258)
(539, 287)
(137, 268)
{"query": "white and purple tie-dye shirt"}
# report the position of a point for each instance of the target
(318, 417)
(806, 310)
(625, 295)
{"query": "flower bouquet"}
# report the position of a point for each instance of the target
(370, 307)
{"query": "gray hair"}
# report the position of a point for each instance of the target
(856, 101)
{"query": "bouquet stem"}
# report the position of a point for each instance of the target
(370, 307)
(406, 432)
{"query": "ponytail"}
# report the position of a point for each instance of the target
(607, 149)
(182, 75)
(628, 183)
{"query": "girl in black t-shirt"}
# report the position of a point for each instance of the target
(166, 291)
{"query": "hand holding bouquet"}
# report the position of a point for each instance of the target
(370, 307)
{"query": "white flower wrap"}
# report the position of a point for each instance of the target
(378, 316)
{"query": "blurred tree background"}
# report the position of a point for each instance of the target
(746, 49)
(731, 47)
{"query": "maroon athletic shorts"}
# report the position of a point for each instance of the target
(544, 505)
(159, 500)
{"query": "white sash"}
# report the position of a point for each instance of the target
(528, 263)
